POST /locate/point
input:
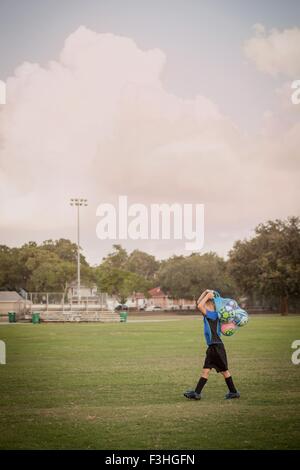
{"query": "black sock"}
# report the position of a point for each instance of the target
(230, 384)
(200, 384)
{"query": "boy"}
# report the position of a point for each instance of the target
(215, 355)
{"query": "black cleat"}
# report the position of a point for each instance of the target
(192, 395)
(231, 395)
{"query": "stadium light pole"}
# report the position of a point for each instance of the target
(78, 202)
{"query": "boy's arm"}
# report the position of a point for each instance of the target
(201, 304)
(202, 296)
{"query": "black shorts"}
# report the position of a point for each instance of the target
(216, 358)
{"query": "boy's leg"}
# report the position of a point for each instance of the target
(205, 373)
(202, 380)
(233, 393)
(196, 394)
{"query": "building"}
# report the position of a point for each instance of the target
(158, 298)
(137, 301)
(85, 291)
(11, 301)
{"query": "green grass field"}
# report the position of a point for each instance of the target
(119, 386)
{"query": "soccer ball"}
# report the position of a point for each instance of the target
(228, 329)
(226, 314)
(240, 317)
(233, 304)
(230, 315)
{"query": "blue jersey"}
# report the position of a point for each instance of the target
(212, 327)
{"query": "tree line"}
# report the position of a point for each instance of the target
(264, 268)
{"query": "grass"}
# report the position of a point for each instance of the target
(119, 386)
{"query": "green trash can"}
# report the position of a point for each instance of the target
(35, 317)
(123, 317)
(12, 317)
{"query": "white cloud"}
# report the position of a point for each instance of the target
(98, 123)
(275, 52)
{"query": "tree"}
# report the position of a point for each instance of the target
(18, 273)
(131, 283)
(10, 269)
(52, 275)
(187, 277)
(122, 275)
(143, 264)
(45, 267)
(64, 249)
(269, 263)
(117, 259)
(120, 282)
(48, 272)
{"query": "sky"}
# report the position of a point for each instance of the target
(165, 101)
